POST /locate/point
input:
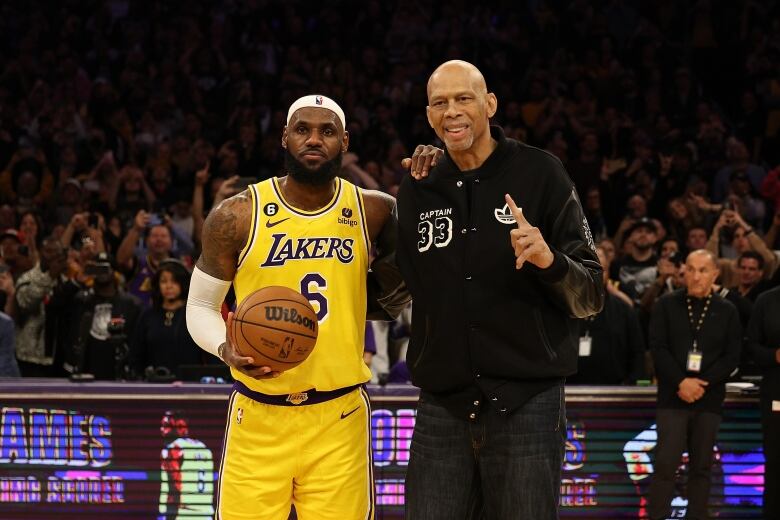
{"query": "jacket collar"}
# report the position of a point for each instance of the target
(488, 168)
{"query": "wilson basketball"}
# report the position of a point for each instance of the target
(276, 326)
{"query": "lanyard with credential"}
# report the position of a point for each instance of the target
(693, 363)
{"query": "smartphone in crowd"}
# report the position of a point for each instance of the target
(156, 219)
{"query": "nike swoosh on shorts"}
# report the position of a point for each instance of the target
(345, 415)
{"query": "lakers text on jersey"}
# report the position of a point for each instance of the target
(322, 254)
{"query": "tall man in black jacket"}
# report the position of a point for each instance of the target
(695, 339)
(763, 344)
(496, 289)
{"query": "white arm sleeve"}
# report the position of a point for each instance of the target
(204, 305)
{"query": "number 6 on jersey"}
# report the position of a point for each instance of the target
(314, 294)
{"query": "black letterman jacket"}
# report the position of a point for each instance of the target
(474, 316)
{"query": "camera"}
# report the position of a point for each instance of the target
(116, 326)
(92, 220)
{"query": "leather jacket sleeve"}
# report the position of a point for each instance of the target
(387, 291)
(574, 280)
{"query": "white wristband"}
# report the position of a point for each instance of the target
(204, 306)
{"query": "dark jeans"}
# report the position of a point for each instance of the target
(770, 424)
(678, 431)
(494, 467)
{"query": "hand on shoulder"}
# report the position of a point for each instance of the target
(424, 158)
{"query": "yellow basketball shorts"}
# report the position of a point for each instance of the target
(315, 456)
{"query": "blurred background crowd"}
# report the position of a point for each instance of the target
(122, 123)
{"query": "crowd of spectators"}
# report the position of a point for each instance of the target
(122, 123)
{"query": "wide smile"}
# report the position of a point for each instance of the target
(456, 131)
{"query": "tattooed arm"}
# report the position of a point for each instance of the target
(387, 292)
(225, 233)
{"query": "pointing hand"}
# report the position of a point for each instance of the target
(527, 241)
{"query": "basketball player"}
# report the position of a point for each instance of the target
(187, 476)
(302, 436)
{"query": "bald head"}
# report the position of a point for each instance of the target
(459, 110)
(458, 69)
(703, 255)
(701, 271)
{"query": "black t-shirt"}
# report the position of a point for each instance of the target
(635, 275)
(101, 345)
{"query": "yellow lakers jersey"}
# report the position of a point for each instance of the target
(323, 255)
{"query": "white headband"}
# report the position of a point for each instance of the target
(317, 101)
